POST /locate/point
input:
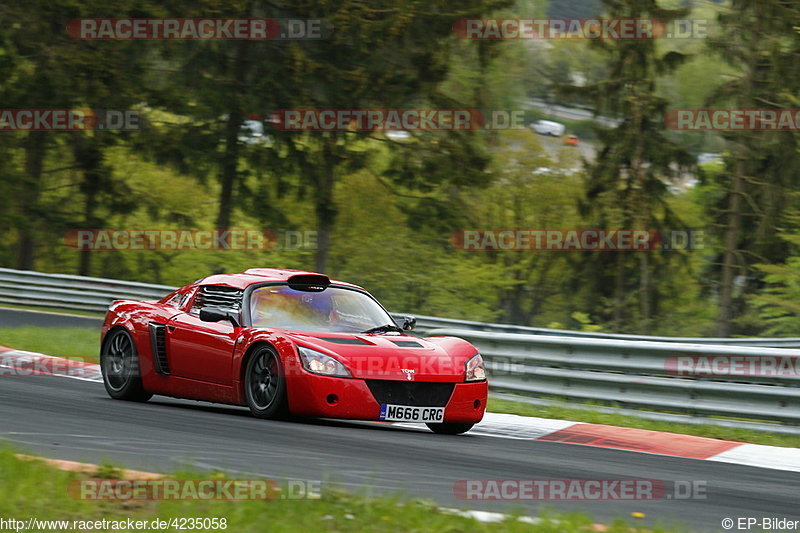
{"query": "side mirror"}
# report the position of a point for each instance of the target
(213, 314)
(408, 323)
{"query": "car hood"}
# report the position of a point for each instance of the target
(393, 357)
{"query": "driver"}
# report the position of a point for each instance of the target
(283, 306)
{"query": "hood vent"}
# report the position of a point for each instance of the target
(341, 340)
(407, 344)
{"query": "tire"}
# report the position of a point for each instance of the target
(119, 364)
(265, 384)
(450, 428)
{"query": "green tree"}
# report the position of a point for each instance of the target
(627, 185)
(528, 191)
(778, 304)
(385, 55)
(759, 40)
(48, 69)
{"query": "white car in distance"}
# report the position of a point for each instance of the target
(548, 127)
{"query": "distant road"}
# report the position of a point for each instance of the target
(571, 113)
(554, 144)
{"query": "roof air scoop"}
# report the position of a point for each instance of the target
(309, 282)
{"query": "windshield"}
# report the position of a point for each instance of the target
(333, 310)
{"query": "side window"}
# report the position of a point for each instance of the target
(218, 296)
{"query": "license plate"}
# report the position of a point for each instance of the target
(404, 413)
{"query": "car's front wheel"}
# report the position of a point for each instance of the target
(449, 428)
(265, 384)
(119, 364)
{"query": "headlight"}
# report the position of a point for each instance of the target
(475, 369)
(319, 363)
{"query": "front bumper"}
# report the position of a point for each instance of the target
(355, 399)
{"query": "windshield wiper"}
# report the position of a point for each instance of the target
(383, 328)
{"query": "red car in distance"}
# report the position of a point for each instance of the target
(287, 342)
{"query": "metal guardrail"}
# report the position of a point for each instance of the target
(426, 324)
(25, 287)
(536, 363)
(636, 374)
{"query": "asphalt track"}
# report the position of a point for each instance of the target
(75, 420)
(14, 318)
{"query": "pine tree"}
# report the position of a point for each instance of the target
(758, 38)
(627, 184)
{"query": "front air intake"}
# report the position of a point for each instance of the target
(414, 394)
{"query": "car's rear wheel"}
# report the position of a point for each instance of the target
(119, 364)
(449, 428)
(265, 384)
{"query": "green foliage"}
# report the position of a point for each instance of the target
(385, 210)
(778, 304)
(627, 184)
(408, 271)
(758, 42)
(585, 322)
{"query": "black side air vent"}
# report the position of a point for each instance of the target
(158, 342)
(408, 344)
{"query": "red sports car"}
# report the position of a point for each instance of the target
(287, 342)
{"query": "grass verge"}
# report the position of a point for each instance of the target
(55, 310)
(596, 417)
(74, 343)
(37, 490)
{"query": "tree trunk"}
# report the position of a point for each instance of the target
(229, 164)
(619, 291)
(325, 208)
(745, 99)
(89, 157)
(729, 263)
(35, 149)
(645, 302)
(641, 211)
(229, 169)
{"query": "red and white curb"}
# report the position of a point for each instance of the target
(18, 363)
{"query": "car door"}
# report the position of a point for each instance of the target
(204, 350)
